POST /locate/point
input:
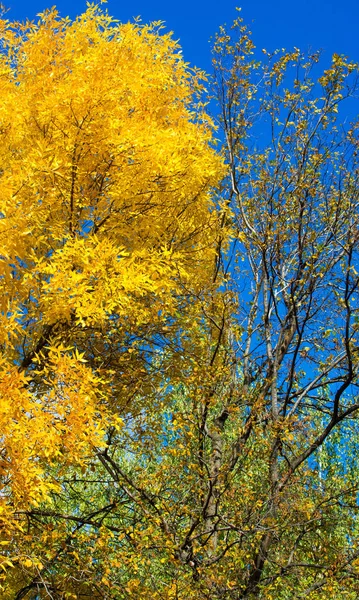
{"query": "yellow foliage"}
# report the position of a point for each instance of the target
(37, 428)
(105, 215)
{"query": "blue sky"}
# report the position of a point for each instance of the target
(330, 25)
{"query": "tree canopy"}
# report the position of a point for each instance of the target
(179, 318)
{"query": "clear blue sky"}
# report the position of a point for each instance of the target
(331, 25)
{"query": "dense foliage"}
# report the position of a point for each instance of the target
(179, 321)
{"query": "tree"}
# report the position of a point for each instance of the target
(107, 229)
(196, 361)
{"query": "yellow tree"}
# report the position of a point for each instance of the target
(107, 230)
